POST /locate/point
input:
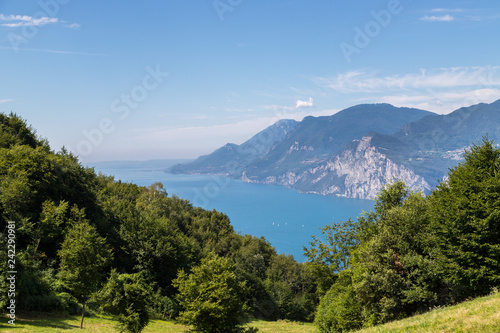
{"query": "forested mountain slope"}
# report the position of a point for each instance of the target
(75, 230)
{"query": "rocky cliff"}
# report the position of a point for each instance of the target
(359, 171)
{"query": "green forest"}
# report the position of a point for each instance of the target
(88, 244)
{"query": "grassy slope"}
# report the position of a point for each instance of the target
(44, 322)
(479, 315)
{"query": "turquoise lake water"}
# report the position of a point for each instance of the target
(286, 218)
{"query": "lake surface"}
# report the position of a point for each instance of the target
(286, 218)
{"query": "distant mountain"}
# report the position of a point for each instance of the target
(436, 142)
(354, 152)
(231, 159)
(316, 139)
(455, 130)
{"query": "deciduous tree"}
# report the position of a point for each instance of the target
(84, 255)
(211, 296)
(127, 296)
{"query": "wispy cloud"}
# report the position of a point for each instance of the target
(458, 14)
(364, 81)
(448, 10)
(433, 18)
(16, 21)
(278, 108)
(440, 90)
(441, 102)
(205, 139)
(13, 21)
(51, 51)
(199, 117)
(73, 26)
(6, 100)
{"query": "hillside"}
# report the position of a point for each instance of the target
(479, 315)
(354, 152)
(83, 239)
(78, 233)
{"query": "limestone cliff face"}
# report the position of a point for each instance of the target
(359, 171)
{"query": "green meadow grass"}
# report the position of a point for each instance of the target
(479, 315)
(49, 322)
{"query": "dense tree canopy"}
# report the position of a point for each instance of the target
(411, 252)
(127, 296)
(212, 296)
(465, 215)
(65, 214)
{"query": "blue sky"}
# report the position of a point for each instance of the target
(137, 80)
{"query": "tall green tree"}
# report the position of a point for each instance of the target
(339, 310)
(333, 254)
(465, 215)
(15, 131)
(397, 271)
(292, 288)
(394, 266)
(212, 296)
(83, 255)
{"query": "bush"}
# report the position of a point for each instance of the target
(212, 296)
(35, 287)
(339, 310)
(163, 307)
(128, 297)
(69, 304)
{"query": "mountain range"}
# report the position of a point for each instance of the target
(354, 152)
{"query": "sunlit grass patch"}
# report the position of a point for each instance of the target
(479, 315)
(55, 322)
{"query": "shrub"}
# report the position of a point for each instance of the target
(339, 310)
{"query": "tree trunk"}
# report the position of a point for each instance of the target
(83, 314)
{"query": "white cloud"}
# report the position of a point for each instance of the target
(299, 104)
(14, 21)
(7, 100)
(304, 104)
(442, 18)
